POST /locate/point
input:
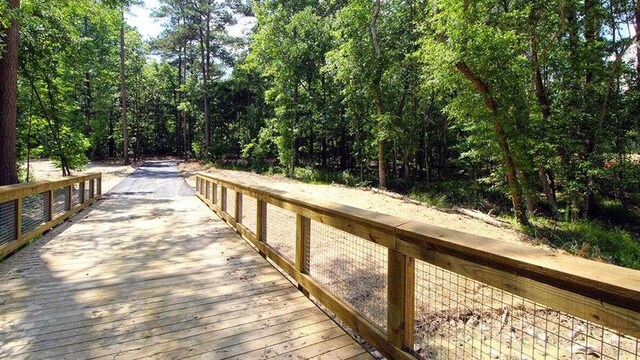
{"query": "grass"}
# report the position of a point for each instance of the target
(590, 239)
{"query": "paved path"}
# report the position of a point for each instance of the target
(151, 272)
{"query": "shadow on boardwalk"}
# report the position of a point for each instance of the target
(140, 276)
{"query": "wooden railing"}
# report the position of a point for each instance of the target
(599, 293)
(28, 210)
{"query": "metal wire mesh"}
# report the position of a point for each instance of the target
(249, 213)
(60, 201)
(351, 268)
(231, 203)
(87, 194)
(7, 222)
(216, 196)
(75, 194)
(280, 231)
(207, 190)
(460, 318)
(35, 210)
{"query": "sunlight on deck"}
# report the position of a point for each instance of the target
(140, 277)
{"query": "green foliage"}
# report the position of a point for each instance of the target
(592, 240)
(491, 105)
(323, 177)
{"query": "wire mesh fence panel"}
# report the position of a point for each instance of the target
(7, 222)
(350, 268)
(60, 201)
(457, 317)
(216, 195)
(231, 203)
(280, 231)
(87, 194)
(75, 194)
(207, 189)
(34, 211)
(249, 213)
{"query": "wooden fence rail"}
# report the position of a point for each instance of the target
(30, 209)
(594, 292)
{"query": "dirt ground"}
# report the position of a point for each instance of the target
(369, 200)
(112, 172)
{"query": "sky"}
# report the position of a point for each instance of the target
(140, 17)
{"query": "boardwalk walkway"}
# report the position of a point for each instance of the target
(151, 272)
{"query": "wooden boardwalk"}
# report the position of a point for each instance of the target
(141, 277)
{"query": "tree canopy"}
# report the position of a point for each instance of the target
(528, 108)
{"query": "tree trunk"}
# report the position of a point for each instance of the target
(178, 100)
(323, 152)
(138, 132)
(512, 170)
(185, 121)
(637, 25)
(205, 96)
(543, 102)
(377, 93)
(294, 138)
(344, 153)
(111, 142)
(8, 100)
(123, 96)
(406, 171)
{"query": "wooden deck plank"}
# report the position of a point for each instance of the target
(75, 322)
(137, 290)
(67, 314)
(275, 349)
(149, 321)
(317, 350)
(222, 347)
(171, 281)
(347, 352)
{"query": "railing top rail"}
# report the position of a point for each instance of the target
(12, 192)
(605, 282)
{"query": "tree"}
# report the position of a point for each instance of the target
(123, 94)
(10, 30)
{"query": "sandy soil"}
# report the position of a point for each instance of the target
(112, 172)
(369, 200)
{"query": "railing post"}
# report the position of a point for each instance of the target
(303, 238)
(238, 214)
(400, 299)
(214, 189)
(197, 184)
(81, 190)
(223, 199)
(70, 197)
(261, 224)
(18, 221)
(99, 187)
(92, 189)
(50, 209)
